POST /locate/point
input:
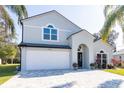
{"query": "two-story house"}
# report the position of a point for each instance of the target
(51, 41)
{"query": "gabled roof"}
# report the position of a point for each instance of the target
(36, 15)
(100, 39)
(79, 32)
(95, 40)
(48, 13)
(44, 45)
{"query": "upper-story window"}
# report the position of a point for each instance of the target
(50, 33)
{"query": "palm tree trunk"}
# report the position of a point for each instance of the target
(12, 61)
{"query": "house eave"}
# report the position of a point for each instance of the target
(44, 45)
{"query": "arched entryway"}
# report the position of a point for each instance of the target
(83, 56)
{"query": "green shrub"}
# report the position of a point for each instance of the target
(110, 66)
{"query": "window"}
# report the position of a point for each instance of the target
(53, 34)
(102, 59)
(46, 34)
(50, 26)
(101, 51)
(50, 33)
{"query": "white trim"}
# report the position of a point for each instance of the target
(43, 26)
(50, 33)
(83, 63)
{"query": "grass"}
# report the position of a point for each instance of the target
(7, 71)
(116, 71)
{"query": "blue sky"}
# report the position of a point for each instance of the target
(89, 17)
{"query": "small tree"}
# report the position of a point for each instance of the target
(7, 52)
(11, 52)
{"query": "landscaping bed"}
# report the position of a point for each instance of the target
(7, 71)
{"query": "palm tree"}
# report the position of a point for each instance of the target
(7, 22)
(114, 14)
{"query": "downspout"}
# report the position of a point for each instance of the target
(20, 57)
(20, 46)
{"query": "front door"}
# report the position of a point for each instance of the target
(79, 60)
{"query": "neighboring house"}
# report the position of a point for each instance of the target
(51, 41)
(119, 55)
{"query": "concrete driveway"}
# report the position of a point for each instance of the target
(65, 79)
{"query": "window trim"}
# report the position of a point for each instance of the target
(50, 33)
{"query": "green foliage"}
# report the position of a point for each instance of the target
(110, 40)
(7, 51)
(8, 23)
(9, 27)
(11, 51)
(113, 14)
(107, 7)
(19, 10)
(1, 39)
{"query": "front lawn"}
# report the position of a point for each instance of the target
(116, 71)
(7, 71)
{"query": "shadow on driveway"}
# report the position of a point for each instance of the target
(66, 85)
(114, 83)
(46, 73)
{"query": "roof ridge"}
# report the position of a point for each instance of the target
(49, 12)
(38, 14)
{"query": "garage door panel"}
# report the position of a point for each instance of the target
(47, 59)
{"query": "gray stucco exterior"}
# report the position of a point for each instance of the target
(33, 28)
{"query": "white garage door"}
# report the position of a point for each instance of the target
(47, 59)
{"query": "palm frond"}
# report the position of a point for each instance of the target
(19, 10)
(106, 10)
(111, 21)
(9, 27)
(9, 23)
